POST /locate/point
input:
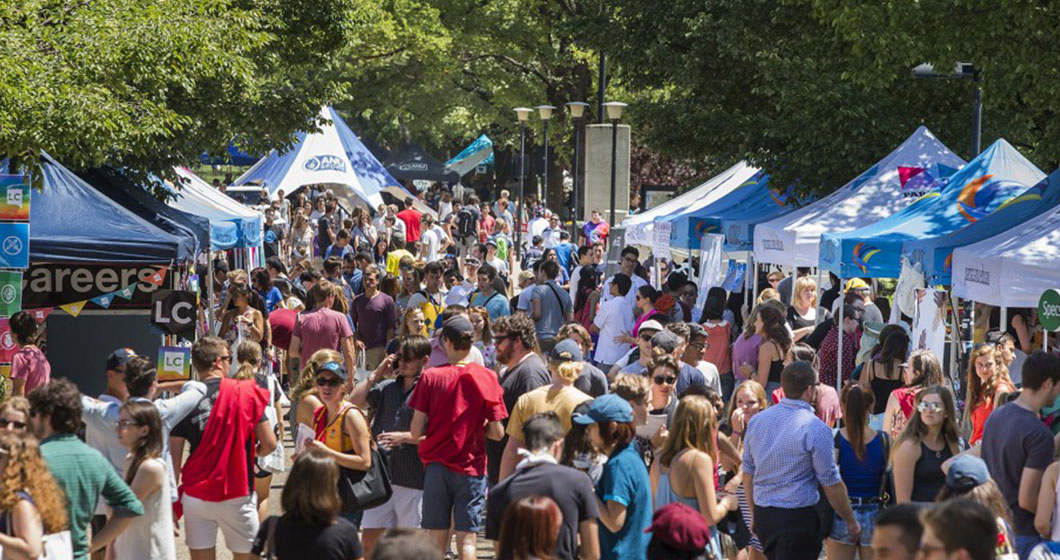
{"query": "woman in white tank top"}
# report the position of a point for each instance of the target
(150, 535)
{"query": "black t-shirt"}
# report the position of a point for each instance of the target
(193, 426)
(571, 489)
(323, 227)
(296, 541)
(271, 240)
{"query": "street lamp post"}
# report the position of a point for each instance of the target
(964, 71)
(523, 114)
(545, 111)
(614, 113)
(577, 111)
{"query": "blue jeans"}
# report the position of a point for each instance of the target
(1026, 543)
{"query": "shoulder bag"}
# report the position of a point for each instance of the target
(361, 490)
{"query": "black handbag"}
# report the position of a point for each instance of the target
(361, 490)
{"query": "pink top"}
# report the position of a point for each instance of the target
(745, 351)
(321, 328)
(643, 317)
(30, 364)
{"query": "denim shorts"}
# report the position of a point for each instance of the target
(866, 516)
(446, 492)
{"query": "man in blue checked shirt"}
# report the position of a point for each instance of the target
(787, 453)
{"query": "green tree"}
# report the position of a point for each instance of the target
(146, 85)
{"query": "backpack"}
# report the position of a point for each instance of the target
(502, 247)
(465, 223)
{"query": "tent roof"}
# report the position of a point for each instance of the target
(639, 227)
(888, 186)
(1013, 268)
(120, 189)
(332, 156)
(989, 181)
(233, 225)
(233, 156)
(479, 152)
(413, 163)
(934, 255)
(74, 222)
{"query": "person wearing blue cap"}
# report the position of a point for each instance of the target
(560, 396)
(624, 490)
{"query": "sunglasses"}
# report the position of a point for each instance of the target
(930, 407)
(665, 379)
(227, 358)
(126, 423)
(646, 337)
(328, 381)
(13, 424)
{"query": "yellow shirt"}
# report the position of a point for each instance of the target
(545, 399)
(393, 261)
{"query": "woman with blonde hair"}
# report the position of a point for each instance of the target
(14, 414)
(985, 382)
(32, 503)
(248, 356)
(412, 323)
(928, 440)
(802, 313)
(684, 468)
(304, 393)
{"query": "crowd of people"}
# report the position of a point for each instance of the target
(442, 383)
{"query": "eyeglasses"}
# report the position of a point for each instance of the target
(126, 423)
(925, 406)
(665, 379)
(328, 381)
(12, 423)
(227, 358)
(701, 345)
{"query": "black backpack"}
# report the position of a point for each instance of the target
(465, 223)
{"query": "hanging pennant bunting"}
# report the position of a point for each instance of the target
(158, 277)
(126, 292)
(41, 314)
(104, 300)
(74, 309)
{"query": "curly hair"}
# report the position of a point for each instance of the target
(520, 326)
(27, 472)
(306, 383)
(59, 400)
(581, 332)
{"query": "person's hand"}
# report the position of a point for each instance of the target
(659, 438)
(730, 502)
(394, 439)
(746, 369)
(738, 421)
(386, 368)
(361, 346)
(624, 338)
(733, 486)
(853, 530)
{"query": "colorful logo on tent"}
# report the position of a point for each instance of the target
(947, 265)
(782, 198)
(978, 196)
(918, 181)
(325, 163)
(703, 228)
(862, 254)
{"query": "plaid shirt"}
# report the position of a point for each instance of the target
(788, 452)
(829, 354)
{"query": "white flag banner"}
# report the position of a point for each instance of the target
(711, 273)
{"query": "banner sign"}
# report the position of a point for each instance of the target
(54, 284)
(174, 312)
(929, 321)
(1049, 310)
(10, 293)
(14, 198)
(174, 363)
(7, 344)
(14, 245)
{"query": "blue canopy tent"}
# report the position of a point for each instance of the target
(995, 178)
(74, 222)
(752, 200)
(738, 224)
(334, 155)
(120, 189)
(233, 156)
(935, 255)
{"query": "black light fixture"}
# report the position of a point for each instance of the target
(614, 114)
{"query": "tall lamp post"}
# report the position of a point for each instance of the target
(545, 112)
(577, 111)
(963, 71)
(523, 113)
(614, 114)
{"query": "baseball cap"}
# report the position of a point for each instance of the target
(666, 340)
(120, 357)
(856, 284)
(566, 351)
(650, 324)
(967, 472)
(457, 326)
(606, 408)
(334, 367)
(681, 527)
(472, 261)
(491, 242)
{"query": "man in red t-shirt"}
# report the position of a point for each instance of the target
(411, 218)
(457, 407)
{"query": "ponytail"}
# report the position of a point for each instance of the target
(249, 356)
(857, 402)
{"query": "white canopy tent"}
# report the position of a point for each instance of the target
(639, 227)
(1011, 269)
(890, 185)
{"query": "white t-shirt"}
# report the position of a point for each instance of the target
(500, 265)
(537, 227)
(574, 277)
(631, 296)
(431, 243)
(613, 318)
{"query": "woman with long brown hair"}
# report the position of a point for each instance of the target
(985, 382)
(243, 316)
(882, 373)
(310, 526)
(749, 398)
(928, 440)
(529, 529)
(150, 535)
(862, 458)
(772, 327)
(32, 503)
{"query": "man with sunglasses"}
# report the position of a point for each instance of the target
(693, 356)
(387, 393)
(218, 477)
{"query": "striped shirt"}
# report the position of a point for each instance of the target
(788, 451)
